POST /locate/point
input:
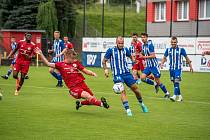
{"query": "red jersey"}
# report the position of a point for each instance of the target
(137, 47)
(70, 72)
(25, 51)
(69, 45)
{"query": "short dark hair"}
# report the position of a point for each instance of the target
(174, 38)
(134, 33)
(144, 34)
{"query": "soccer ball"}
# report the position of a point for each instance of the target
(118, 88)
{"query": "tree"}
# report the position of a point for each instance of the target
(22, 15)
(66, 17)
(47, 17)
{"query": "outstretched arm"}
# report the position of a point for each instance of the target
(89, 72)
(38, 51)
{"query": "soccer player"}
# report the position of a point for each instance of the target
(121, 73)
(70, 70)
(9, 71)
(175, 55)
(58, 47)
(152, 67)
(139, 64)
(25, 50)
(13, 46)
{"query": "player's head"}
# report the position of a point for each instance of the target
(70, 54)
(28, 37)
(120, 42)
(56, 34)
(12, 39)
(135, 36)
(174, 42)
(144, 37)
(66, 39)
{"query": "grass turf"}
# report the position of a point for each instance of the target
(45, 112)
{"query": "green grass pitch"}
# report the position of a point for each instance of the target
(43, 112)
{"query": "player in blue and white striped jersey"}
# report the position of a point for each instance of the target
(121, 73)
(58, 47)
(13, 46)
(152, 66)
(176, 55)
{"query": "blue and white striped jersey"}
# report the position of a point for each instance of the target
(147, 50)
(58, 47)
(175, 57)
(13, 46)
(118, 60)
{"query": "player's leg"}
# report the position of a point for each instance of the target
(172, 78)
(144, 78)
(177, 85)
(82, 91)
(135, 73)
(9, 71)
(60, 80)
(125, 103)
(130, 82)
(144, 75)
(53, 73)
(156, 73)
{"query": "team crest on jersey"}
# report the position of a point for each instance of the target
(29, 48)
(75, 65)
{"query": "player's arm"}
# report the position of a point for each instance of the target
(12, 52)
(89, 72)
(62, 53)
(164, 59)
(106, 70)
(38, 51)
(189, 62)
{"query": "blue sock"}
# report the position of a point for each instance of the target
(163, 88)
(9, 72)
(59, 78)
(148, 81)
(54, 74)
(126, 105)
(176, 89)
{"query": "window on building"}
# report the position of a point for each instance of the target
(160, 11)
(204, 9)
(182, 10)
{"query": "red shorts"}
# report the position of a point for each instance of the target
(77, 90)
(22, 66)
(138, 66)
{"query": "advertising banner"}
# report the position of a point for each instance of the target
(91, 59)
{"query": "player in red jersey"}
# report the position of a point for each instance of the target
(136, 51)
(25, 50)
(70, 71)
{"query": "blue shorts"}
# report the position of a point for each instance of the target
(175, 75)
(154, 70)
(13, 61)
(126, 78)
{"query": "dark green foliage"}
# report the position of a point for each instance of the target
(66, 17)
(47, 17)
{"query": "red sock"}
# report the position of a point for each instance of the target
(94, 101)
(85, 102)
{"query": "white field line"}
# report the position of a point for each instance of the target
(65, 89)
